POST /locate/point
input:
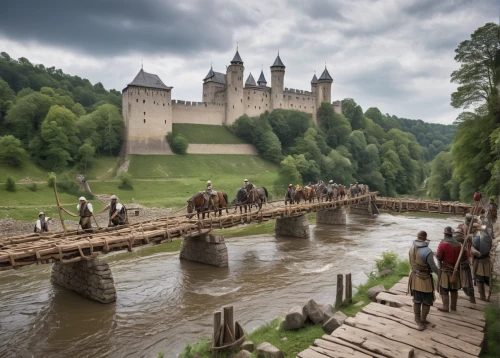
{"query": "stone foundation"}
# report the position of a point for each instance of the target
(296, 226)
(90, 278)
(207, 248)
(361, 209)
(331, 216)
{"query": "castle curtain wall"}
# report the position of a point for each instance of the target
(198, 113)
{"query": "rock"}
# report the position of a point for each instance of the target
(374, 291)
(242, 354)
(295, 318)
(359, 304)
(334, 322)
(248, 346)
(267, 350)
(313, 312)
(384, 272)
(327, 312)
(284, 339)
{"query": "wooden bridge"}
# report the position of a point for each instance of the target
(74, 252)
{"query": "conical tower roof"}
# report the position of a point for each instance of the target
(237, 59)
(314, 80)
(210, 74)
(262, 80)
(144, 79)
(250, 81)
(278, 62)
(325, 76)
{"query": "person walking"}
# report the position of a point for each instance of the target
(481, 263)
(448, 282)
(85, 212)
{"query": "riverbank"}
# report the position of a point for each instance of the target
(293, 342)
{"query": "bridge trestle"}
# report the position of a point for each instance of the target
(90, 278)
(205, 248)
(295, 226)
(331, 216)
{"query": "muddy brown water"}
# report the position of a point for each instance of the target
(164, 302)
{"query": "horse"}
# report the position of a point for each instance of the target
(299, 195)
(320, 190)
(355, 191)
(331, 193)
(197, 202)
(342, 193)
(255, 195)
(310, 193)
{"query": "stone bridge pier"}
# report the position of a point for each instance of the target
(331, 216)
(205, 248)
(365, 208)
(90, 278)
(295, 226)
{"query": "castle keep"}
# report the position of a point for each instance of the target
(149, 111)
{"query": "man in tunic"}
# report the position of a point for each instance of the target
(421, 283)
(85, 212)
(480, 250)
(492, 213)
(117, 212)
(208, 194)
(289, 194)
(465, 272)
(448, 283)
(42, 224)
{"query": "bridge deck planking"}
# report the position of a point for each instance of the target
(74, 246)
(386, 328)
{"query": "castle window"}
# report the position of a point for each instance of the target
(163, 104)
(305, 107)
(143, 101)
(255, 107)
(259, 107)
(137, 100)
(248, 97)
(276, 96)
(165, 121)
(248, 106)
(144, 113)
(266, 104)
(233, 106)
(253, 92)
(241, 100)
(154, 102)
(235, 88)
(300, 106)
(144, 120)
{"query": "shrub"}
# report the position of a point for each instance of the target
(32, 187)
(10, 184)
(126, 181)
(180, 145)
(11, 151)
(389, 261)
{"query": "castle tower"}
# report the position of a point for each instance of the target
(147, 113)
(277, 81)
(262, 80)
(314, 85)
(234, 89)
(250, 82)
(324, 89)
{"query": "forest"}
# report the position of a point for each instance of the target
(473, 161)
(53, 118)
(388, 153)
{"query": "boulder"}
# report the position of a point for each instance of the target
(313, 312)
(242, 354)
(327, 312)
(248, 346)
(374, 291)
(384, 272)
(335, 322)
(267, 350)
(295, 318)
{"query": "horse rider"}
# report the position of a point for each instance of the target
(209, 193)
(117, 212)
(85, 212)
(247, 186)
(421, 282)
(465, 270)
(42, 224)
(289, 195)
(448, 283)
(480, 250)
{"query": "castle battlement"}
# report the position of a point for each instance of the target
(149, 111)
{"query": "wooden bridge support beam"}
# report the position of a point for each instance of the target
(205, 248)
(331, 216)
(295, 226)
(90, 278)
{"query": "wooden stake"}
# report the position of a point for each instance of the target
(59, 206)
(229, 324)
(217, 326)
(348, 289)
(340, 290)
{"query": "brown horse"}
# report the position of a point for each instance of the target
(342, 192)
(310, 193)
(299, 195)
(197, 202)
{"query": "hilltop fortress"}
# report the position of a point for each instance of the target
(149, 111)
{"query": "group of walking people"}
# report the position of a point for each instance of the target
(463, 261)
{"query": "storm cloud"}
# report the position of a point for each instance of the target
(392, 54)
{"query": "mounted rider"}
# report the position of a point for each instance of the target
(247, 186)
(447, 254)
(480, 250)
(421, 282)
(208, 195)
(289, 194)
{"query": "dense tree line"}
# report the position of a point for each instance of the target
(474, 160)
(341, 147)
(54, 118)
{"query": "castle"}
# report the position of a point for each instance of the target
(149, 111)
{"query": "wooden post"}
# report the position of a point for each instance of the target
(348, 289)
(340, 290)
(440, 206)
(229, 324)
(217, 326)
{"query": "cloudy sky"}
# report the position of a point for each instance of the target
(396, 55)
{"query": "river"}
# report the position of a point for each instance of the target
(164, 302)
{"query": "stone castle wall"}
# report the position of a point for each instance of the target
(256, 100)
(197, 113)
(91, 279)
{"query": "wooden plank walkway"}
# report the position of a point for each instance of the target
(386, 328)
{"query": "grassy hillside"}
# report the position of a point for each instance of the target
(205, 134)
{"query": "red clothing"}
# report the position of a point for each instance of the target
(448, 253)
